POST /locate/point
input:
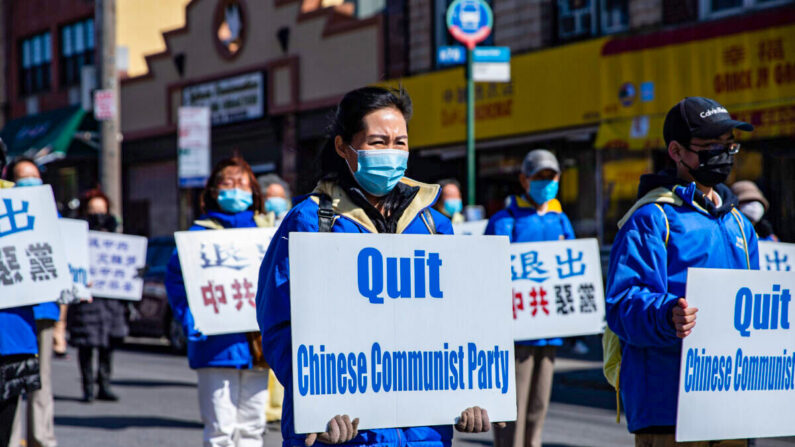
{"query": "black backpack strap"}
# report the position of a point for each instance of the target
(427, 219)
(325, 214)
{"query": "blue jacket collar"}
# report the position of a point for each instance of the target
(242, 219)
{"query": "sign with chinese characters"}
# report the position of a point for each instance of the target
(737, 370)
(557, 289)
(230, 100)
(75, 239)
(221, 269)
(399, 330)
(776, 256)
(33, 266)
(116, 261)
(193, 146)
(476, 228)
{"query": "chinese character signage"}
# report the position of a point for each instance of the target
(220, 269)
(417, 328)
(776, 256)
(33, 266)
(75, 239)
(116, 261)
(557, 289)
(474, 228)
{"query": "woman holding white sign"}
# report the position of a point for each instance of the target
(233, 377)
(362, 190)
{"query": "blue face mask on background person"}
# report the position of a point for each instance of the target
(542, 191)
(452, 206)
(28, 181)
(277, 205)
(234, 200)
(379, 170)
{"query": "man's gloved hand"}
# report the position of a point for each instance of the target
(340, 429)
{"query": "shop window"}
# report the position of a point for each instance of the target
(77, 50)
(441, 36)
(615, 16)
(712, 9)
(576, 18)
(35, 59)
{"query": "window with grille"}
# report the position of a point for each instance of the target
(712, 9)
(77, 50)
(35, 54)
(576, 18)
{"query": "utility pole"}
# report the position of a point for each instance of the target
(110, 158)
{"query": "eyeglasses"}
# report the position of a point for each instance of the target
(730, 148)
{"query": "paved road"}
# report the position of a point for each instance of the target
(158, 406)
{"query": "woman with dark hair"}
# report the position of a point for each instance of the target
(99, 324)
(362, 190)
(233, 377)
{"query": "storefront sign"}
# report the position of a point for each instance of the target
(557, 289)
(737, 377)
(194, 146)
(116, 261)
(230, 100)
(399, 330)
(221, 271)
(33, 266)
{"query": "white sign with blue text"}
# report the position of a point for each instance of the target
(776, 256)
(33, 267)
(557, 289)
(75, 238)
(737, 376)
(221, 271)
(116, 261)
(475, 228)
(399, 330)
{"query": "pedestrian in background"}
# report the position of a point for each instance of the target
(277, 196)
(233, 375)
(754, 206)
(532, 216)
(684, 218)
(100, 324)
(40, 410)
(450, 203)
(362, 190)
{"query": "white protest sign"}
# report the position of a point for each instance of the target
(33, 266)
(557, 289)
(476, 228)
(399, 330)
(737, 377)
(115, 261)
(776, 256)
(221, 272)
(75, 239)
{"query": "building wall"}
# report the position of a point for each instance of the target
(522, 24)
(420, 29)
(645, 13)
(3, 63)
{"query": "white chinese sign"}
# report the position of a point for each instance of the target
(221, 269)
(776, 256)
(75, 238)
(475, 228)
(116, 261)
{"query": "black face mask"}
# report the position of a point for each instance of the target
(102, 222)
(714, 166)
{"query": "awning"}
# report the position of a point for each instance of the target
(48, 136)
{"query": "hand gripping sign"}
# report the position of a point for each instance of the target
(737, 377)
(399, 330)
(116, 263)
(221, 270)
(557, 289)
(33, 267)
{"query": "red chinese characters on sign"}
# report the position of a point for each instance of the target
(213, 294)
(247, 295)
(538, 302)
(243, 291)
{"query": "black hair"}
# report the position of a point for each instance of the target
(10, 174)
(349, 120)
(450, 181)
(3, 156)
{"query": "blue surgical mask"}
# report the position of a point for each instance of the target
(542, 191)
(277, 205)
(452, 206)
(380, 170)
(28, 181)
(234, 200)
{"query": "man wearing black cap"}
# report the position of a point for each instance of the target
(684, 218)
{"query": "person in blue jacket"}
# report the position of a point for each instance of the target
(233, 378)
(362, 190)
(534, 216)
(685, 218)
(41, 406)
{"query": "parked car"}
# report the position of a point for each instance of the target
(152, 317)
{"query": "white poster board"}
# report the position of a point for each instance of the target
(557, 289)
(476, 228)
(736, 378)
(75, 238)
(33, 267)
(115, 263)
(443, 311)
(193, 161)
(776, 256)
(221, 272)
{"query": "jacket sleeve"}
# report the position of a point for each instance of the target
(568, 230)
(178, 298)
(500, 224)
(638, 303)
